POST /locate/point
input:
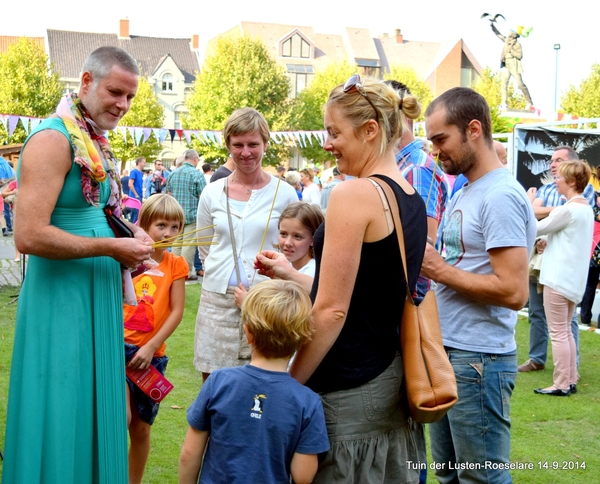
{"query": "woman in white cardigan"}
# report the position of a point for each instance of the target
(249, 201)
(564, 270)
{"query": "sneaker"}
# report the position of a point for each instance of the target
(192, 277)
(530, 365)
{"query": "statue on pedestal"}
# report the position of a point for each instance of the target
(510, 60)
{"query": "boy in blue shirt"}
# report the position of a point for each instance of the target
(263, 425)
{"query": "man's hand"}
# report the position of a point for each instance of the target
(433, 263)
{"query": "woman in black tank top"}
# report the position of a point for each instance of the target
(353, 359)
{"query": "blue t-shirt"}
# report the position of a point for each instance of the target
(137, 177)
(257, 420)
(492, 212)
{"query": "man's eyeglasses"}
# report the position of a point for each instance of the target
(355, 84)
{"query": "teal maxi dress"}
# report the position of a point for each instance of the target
(66, 420)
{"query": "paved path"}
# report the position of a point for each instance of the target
(10, 271)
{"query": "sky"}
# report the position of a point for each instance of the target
(571, 25)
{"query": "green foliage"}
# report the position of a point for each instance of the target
(240, 73)
(146, 111)
(585, 100)
(29, 85)
(308, 111)
(418, 87)
(489, 86)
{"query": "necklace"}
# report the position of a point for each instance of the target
(248, 190)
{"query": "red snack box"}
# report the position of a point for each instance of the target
(151, 382)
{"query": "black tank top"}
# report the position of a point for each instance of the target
(369, 339)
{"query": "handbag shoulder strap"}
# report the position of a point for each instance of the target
(387, 197)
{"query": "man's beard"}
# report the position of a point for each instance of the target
(464, 163)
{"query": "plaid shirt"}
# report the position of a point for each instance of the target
(551, 198)
(186, 184)
(418, 168)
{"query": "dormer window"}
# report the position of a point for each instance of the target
(167, 82)
(296, 46)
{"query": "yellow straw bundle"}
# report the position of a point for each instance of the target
(186, 240)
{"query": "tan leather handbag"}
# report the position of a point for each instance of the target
(429, 376)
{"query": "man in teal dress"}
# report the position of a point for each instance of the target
(66, 410)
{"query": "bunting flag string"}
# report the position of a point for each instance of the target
(141, 134)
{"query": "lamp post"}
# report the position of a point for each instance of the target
(556, 49)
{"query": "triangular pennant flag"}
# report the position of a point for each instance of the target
(12, 124)
(35, 122)
(131, 132)
(156, 133)
(219, 137)
(172, 134)
(163, 134)
(188, 137)
(3, 120)
(179, 133)
(147, 132)
(139, 132)
(25, 123)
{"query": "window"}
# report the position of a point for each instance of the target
(468, 73)
(167, 83)
(300, 76)
(296, 46)
(177, 114)
(367, 67)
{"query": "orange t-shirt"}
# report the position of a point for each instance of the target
(153, 294)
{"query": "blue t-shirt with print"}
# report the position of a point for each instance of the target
(257, 420)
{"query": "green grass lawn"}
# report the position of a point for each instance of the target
(560, 431)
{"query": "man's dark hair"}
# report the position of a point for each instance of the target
(280, 169)
(206, 167)
(464, 105)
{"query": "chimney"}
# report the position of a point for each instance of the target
(399, 39)
(195, 42)
(124, 28)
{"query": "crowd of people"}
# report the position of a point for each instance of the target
(296, 333)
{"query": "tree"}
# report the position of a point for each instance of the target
(146, 111)
(418, 87)
(489, 86)
(585, 100)
(308, 110)
(29, 84)
(240, 73)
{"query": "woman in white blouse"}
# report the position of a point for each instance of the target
(564, 270)
(249, 201)
(311, 192)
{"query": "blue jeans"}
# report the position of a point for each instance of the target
(476, 431)
(7, 216)
(538, 328)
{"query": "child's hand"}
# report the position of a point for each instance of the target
(142, 359)
(240, 294)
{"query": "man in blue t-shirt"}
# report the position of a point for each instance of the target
(136, 185)
(489, 234)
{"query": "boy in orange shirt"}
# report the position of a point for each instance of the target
(160, 292)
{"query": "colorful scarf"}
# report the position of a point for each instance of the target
(85, 139)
